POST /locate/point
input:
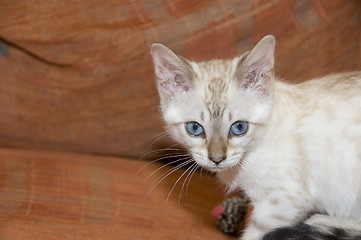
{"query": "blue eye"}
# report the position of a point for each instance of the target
(239, 128)
(194, 129)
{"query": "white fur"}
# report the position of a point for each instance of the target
(302, 151)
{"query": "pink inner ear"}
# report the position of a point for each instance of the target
(181, 82)
(258, 77)
(171, 78)
(249, 79)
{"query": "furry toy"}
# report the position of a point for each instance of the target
(230, 214)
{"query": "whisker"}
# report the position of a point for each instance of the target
(170, 156)
(162, 150)
(178, 181)
(158, 136)
(195, 170)
(201, 172)
(238, 166)
(185, 161)
(162, 158)
(163, 166)
(166, 174)
(173, 156)
(191, 172)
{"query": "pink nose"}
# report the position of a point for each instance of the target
(216, 159)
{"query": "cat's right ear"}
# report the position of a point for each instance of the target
(173, 73)
(255, 69)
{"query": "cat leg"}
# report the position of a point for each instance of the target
(319, 227)
(269, 215)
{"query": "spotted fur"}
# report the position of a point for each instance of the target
(302, 149)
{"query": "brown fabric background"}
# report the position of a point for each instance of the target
(77, 75)
(49, 195)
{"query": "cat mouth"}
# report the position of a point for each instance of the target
(223, 166)
(216, 168)
(213, 166)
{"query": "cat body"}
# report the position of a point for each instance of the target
(308, 158)
(293, 148)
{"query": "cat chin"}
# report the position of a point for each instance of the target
(217, 168)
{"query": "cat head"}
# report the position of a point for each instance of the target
(216, 109)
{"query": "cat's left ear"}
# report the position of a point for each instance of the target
(255, 71)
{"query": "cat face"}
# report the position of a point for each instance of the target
(216, 109)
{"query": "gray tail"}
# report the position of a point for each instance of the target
(303, 231)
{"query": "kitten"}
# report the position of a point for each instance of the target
(293, 148)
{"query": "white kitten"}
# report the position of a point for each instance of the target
(293, 148)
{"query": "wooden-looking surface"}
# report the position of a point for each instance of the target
(46, 195)
(77, 75)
